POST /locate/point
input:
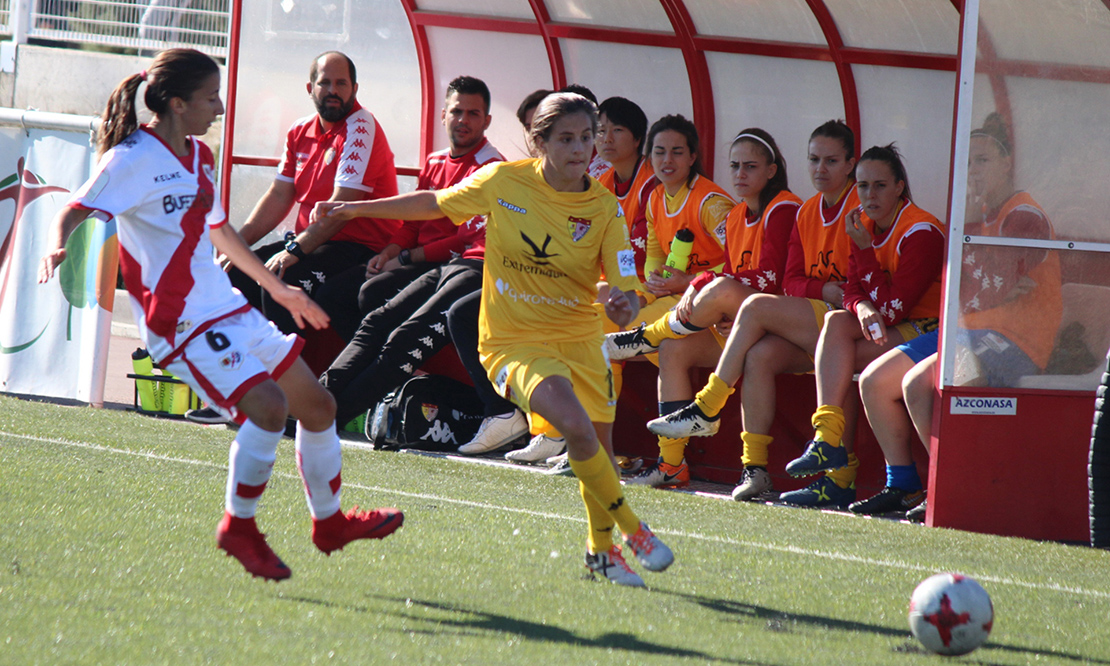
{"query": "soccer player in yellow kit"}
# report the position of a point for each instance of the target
(550, 231)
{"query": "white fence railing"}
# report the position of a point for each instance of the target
(145, 25)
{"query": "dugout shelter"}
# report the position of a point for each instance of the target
(921, 73)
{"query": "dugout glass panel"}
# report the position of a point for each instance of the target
(913, 109)
(653, 77)
(521, 67)
(518, 9)
(633, 14)
(748, 92)
(918, 26)
(1028, 303)
(789, 21)
(274, 60)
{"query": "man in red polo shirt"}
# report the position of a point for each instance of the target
(340, 153)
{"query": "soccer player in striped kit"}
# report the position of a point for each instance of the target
(158, 182)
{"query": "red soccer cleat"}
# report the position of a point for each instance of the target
(242, 540)
(338, 530)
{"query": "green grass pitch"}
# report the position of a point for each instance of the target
(107, 556)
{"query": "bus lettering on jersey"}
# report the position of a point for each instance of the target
(170, 203)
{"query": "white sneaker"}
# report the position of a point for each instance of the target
(611, 564)
(495, 432)
(627, 344)
(652, 553)
(689, 421)
(753, 484)
(539, 449)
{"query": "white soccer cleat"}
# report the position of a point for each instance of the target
(627, 344)
(652, 553)
(612, 566)
(495, 432)
(689, 421)
(754, 484)
(539, 449)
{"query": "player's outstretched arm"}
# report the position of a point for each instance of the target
(304, 310)
(420, 205)
(61, 227)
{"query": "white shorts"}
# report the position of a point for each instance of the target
(232, 356)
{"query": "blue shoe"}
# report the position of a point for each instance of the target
(819, 456)
(821, 493)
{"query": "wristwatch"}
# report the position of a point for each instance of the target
(404, 257)
(294, 248)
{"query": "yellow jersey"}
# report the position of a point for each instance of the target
(545, 251)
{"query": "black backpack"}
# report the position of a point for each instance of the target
(428, 412)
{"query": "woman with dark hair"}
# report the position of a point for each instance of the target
(692, 335)
(158, 182)
(777, 333)
(1010, 310)
(551, 229)
(892, 297)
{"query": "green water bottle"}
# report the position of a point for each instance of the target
(149, 399)
(679, 256)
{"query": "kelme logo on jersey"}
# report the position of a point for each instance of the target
(578, 227)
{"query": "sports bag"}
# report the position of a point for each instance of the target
(428, 412)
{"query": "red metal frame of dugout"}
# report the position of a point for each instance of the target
(694, 47)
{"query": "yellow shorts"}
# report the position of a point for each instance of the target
(516, 371)
(820, 308)
(912, 328)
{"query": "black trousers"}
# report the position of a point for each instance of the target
(462, 322)
(350, 296)
(394, 340)
(310, 274)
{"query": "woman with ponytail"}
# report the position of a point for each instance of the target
(158, 182)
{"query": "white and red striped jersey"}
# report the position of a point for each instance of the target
(163, 205)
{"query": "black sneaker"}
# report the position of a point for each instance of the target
(627, 344)
(207, 415)
(917, 514)
(889, 500)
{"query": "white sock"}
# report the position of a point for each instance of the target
(319, 462)
(680, 327)
(250, 463)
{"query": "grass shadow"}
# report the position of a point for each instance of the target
(779, 620)
(476, 622)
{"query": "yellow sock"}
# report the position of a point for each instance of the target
(845, 476)
(711, 399)
(600, 522)
(540, 426)
(755, 449)
(673, 451)
(828, 421)
(600, 479)
(660, 330)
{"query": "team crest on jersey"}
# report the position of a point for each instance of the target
(183, 326)
(429, 411)
(579, 227)
(329, 156)
(232, 361)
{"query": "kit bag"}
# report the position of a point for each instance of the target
(428, 412)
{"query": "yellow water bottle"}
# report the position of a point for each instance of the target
(679, 256)
(149, 399)
(175, 395)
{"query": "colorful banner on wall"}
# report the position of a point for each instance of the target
(54, 336)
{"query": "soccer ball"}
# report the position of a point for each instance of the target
(951, 614)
